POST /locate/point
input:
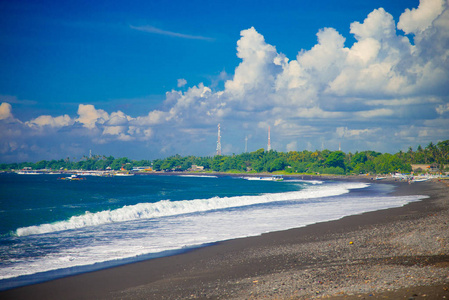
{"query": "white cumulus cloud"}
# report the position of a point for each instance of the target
(89, 115)
(46, 120)
(418, 19)
(182, 82)
(5, 111)
(387, 85)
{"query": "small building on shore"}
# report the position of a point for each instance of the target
(430, 168)
(196, 168)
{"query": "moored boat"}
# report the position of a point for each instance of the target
(72, 177)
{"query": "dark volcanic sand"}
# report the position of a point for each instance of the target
(399, 253)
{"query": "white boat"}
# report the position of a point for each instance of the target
(72, 177)
(399, 176)
(277, 178)
(420, 179)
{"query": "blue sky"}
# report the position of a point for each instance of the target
(149, 79)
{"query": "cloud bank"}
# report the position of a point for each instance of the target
(387, 91)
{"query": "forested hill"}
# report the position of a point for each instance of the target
(323, 162)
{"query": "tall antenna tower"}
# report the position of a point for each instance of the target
(269, 140)
(246, 144)
(339, 146)
(219, 141)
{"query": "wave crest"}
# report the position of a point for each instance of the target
(166, 208)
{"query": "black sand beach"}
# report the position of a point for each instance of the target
(399, 253)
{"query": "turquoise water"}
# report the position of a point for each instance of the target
(27, 200)
(51, 228)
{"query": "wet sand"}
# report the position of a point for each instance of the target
(399, 253)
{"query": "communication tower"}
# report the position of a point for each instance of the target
(269, 140)
(246, 144)
(219, 141)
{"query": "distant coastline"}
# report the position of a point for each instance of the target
(362, 177)
(430, 161)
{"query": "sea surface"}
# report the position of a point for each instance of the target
(51, 228)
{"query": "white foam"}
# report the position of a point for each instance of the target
(199, 176)
(139, 238)
(170, 208)
(305, 181)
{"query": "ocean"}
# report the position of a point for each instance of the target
(51, 228)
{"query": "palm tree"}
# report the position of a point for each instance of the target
(412, 156)
(431, 152)
(443, 148)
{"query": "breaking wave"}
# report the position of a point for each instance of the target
(166, 208)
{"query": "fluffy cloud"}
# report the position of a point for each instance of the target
(5, 111)
(153, 117)
(258, 64)
(419, 19)
(46, 120)
(182, 82)
(89, 116)
(383, 87)
(374, 64)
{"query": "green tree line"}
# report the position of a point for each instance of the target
(303, 162)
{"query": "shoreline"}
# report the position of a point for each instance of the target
(312, 261)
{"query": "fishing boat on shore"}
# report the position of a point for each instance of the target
(419, 179)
